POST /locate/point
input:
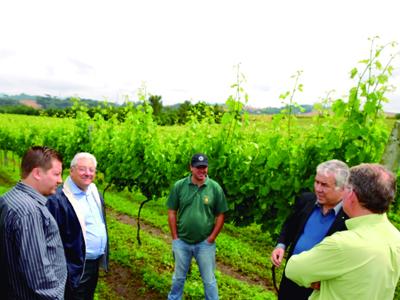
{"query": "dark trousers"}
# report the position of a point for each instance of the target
(288, 290)
(87, 285)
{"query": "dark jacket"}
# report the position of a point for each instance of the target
(71, 234)
(291, 231)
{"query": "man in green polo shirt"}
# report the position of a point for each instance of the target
(364, 261)
(196, 207)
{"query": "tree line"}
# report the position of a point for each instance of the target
(163, 115)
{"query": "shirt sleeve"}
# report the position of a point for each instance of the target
(33, 261)
(172, 202)
(222, 205)
(323, 262)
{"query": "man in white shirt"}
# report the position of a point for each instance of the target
(78, 209)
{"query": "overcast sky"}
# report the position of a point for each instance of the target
(187, 50)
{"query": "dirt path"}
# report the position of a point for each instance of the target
(228, 270)
(127, 285)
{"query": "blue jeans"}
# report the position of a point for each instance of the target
(204, 253)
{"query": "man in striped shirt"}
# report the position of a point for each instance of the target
(32, 254)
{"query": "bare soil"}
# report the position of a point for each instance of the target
(127, 285)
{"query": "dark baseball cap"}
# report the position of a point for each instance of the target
(199, 159)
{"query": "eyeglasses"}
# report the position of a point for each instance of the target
(85, 169)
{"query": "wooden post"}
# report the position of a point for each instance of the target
(391, 156)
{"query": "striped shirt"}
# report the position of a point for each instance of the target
(32, 247)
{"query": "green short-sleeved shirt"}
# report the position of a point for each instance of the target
(196, 208)
(360, 263)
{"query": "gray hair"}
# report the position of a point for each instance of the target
(81, 155)
(338, 169)
(374, 186)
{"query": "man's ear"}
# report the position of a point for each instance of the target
(36, 173)
(353, 199)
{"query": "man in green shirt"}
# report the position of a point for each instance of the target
(196, 207)
(364, 261)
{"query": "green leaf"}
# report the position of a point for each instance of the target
(383, 78)
(353, 73)
(339, 107)
(284, 95)
(353, 95)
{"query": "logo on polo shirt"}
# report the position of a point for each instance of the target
(205, 199)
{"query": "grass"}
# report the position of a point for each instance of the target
(104, 292)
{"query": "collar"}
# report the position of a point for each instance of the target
(336, 209)
(74, 188)
(191, 183)
(31, 192)
(370, 219)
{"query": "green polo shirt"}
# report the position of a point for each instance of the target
(360, 263)
(196, 208)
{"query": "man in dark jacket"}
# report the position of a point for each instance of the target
(314, 217)
(78, 209)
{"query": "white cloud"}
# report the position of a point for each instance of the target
(185, 49)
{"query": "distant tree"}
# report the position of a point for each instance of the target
(156, 104)
(168, 116)
(202, 110)
(19, 109)
(271, 110)
(218, 112)
(183, 112)
(8, 102)
(48, 101)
